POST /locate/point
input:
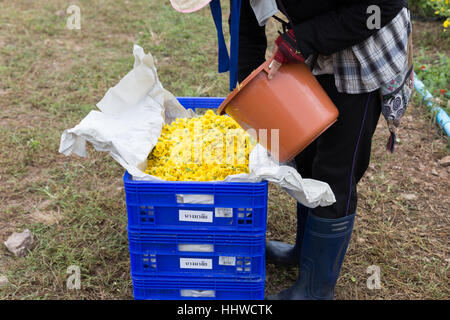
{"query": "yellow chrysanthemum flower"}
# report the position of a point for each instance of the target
(206, 148)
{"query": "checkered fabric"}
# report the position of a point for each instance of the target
(365, 67)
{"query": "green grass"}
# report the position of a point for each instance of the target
(51, 77)
(434, 74)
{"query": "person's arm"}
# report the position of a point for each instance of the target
(344, 27)
(252, 42)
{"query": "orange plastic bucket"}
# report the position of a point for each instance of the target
(293, 102)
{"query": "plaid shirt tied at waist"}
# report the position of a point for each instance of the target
(382, 62)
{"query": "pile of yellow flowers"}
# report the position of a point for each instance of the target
(206, 148)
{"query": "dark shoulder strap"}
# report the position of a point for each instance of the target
(284, 11)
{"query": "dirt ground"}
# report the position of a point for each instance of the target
(402, 224)
(51, 77)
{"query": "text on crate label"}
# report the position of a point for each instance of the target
(190, 263)
(227, 261)
(195, 216)
(224, 212)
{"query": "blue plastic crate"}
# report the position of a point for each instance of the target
(233, 207)
(160, 288)
(200, 103)
(197, 255)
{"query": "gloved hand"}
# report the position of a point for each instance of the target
(285, 52)
(287, 49)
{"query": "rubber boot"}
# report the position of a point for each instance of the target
(287, 255)
(324, 246)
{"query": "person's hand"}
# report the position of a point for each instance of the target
(285, 52)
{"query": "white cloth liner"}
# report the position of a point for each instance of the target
(130, 120)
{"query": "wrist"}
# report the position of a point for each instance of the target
(287, 49)
(279, 56)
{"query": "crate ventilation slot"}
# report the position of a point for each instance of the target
(149, 262)
(147, 214)
(245, 216)
(244, 264)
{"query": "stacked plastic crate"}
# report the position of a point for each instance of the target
(197, 240)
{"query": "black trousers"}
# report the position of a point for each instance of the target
(341, 155)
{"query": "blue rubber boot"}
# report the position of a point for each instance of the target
(323, 249)
(287, 255)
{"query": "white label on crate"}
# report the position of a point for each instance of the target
(195, 198)
(195, 216)
(191, 263)
(198, 293)
(224, 212)
(185, 247)
(227, 261)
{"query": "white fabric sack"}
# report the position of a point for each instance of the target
(131, 118)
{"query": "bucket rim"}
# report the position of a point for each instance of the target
(264, 66)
